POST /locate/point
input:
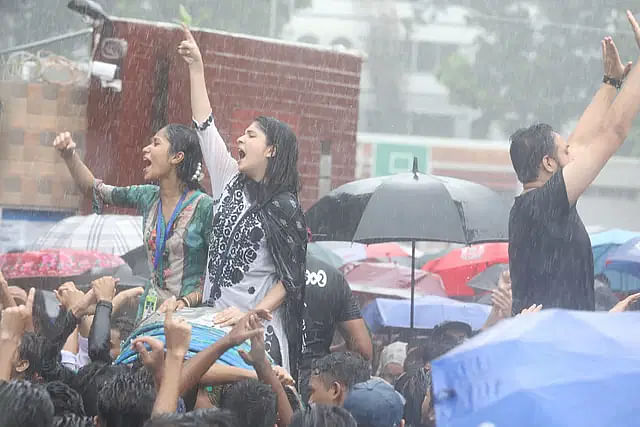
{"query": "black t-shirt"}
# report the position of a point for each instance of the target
(328, 301)
(550, 256)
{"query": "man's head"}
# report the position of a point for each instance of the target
(65, 399)
(125, 401)
(375, 403)
(332, 377)
(197, 418)
(415, 386)
(121, 328)
(252, 402)
(27, 364)
(24, 404)
(323, 415)
(537, 152)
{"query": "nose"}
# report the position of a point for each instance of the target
(146, 149)
(240, 139)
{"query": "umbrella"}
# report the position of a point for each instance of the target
(460, 265)
(488, 279)
(431, 311)
(604, 241)
(390, 279)
(626, 258)
(54, 263)
(341, 253)
(410, 207)
(553, 368)
(112, 234)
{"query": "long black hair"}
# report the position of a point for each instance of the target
(282, 168)
(184, 139)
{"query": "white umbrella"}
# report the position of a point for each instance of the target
(111, 234)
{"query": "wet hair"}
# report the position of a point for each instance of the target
(23, 403)
(65, 399)
(125, 401)
(90, 379)
(323, 415)
(413, 386)
(124, 325)
(282, 168)
(72, 420)
(252, 402)
(344, 367)
(31, 349)
(211, 417)
(184, 139)
(528, 147)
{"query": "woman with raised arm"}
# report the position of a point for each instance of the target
(177, 215)
(258, 247)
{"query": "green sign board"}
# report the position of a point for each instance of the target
(394, 158)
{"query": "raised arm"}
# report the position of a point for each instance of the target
(593, 116)
(608, 138)
(79, 171)
(221, 165)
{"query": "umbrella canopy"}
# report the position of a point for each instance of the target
(111, 234)
(409, 207)
(55, 263)
(383, 278)
(430, 311)
(488, 279)
(460, 265)
(338, 254)
(626, 258)
(553, 368)
(604, 241)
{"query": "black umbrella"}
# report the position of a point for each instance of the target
(410, 207)
(487, 280)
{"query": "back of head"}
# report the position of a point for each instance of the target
(24, 404)
(65, 399)
(197, 418)
(282, 168)
(375, 403)
(125, 401)
(30, 350)
(72, 420)
(252, 402)
(184, 139)
(89, 380)
(413, 386)
(344, 367)
(323, 416)
(528, 148)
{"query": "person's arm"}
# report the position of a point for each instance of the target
(100, 335)
(81, 174)
(592, 117)
(581, 172)
(356, 337)
(257, 357)
(195, 368)
(12, 327)
(178, 335)
(223, 374)
(221, 165)
(271, 301)
(5, 296)
(152, 360)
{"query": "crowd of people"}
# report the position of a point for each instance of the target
(235, 261)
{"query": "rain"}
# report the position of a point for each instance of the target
(319, 212)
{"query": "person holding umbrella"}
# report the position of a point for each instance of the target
(177, 214)
(551, 262)
(258, 247)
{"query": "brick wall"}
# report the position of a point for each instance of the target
(31, 173)
(315, 91)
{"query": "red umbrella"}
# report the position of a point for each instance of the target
(390, 279)
(54, 263)
(386, 250)
(460, 265)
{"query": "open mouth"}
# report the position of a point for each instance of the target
(241, 153)
(147, 164)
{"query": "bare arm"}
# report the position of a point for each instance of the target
(274, 298)
(79, 171)
(223, 374)
(593, 116)
(5, 296)
(12, 327)
(616, 124)
(356, 337)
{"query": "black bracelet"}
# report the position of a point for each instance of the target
(611, 81)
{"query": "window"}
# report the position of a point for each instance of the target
(432, 125)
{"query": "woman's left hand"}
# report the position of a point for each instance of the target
(228, 317)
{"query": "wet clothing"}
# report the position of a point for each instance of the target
(550, 256)
(258, 239)
(180, 271)
(328, 301)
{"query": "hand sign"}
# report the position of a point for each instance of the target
(64, 144)
(188, 48)
(634, 26)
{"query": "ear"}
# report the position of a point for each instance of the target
(548, 164)
(22, 366)
(177, 158)
(271, 151)
(337, 392)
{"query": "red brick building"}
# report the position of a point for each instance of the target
(313, 89)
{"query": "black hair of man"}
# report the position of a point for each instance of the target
(23, 403)
(252, 402)
(323, 415)
(345, 367)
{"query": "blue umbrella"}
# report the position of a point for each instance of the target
(603, 242)
(430, 311)
(554, 368)
(626, 258)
